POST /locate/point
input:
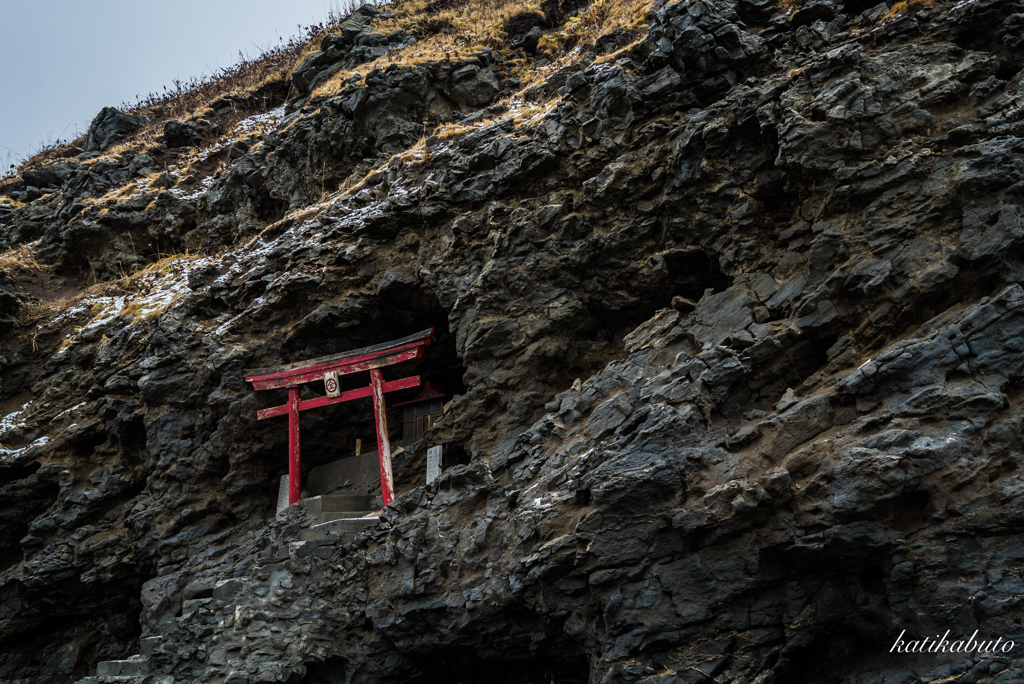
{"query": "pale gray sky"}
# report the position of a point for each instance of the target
(61, 61)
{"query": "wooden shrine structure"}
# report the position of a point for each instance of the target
(422, 411)
(327, 369)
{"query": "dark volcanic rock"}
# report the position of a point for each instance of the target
(730, 325)
(472, 86)
(182, 134)
(356, 43)
(51, 176)
(309, 68)
(110, 127)
(528, 41)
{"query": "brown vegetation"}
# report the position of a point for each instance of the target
(447, 29)
(455, 29)
(599, 18)
(20, 259)
(36, 312)
(902, 6)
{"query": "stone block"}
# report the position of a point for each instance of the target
(148, 645)
(433, 463)
(133, 667)
(225, 590)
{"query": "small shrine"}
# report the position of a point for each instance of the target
(420, 413)
(327, 370)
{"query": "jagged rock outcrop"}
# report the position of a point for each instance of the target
(733, 318)
(182, 133)
(51, 176)
(356, 43)
(111, 126)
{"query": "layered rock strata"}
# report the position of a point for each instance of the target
(732, 314)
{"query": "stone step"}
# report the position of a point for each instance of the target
(344, 530)
(332, 503)
(328, 516)
(317, 548)
(136, 666)
(147, 645)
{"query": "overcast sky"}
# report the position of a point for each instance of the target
(61, 61)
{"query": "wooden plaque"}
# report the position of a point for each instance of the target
(331, 384)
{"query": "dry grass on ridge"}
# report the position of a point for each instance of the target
(41, 312)
(465, 26)
(453, 32)
(902, 6)
(20, 259)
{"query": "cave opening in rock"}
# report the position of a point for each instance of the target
(13, 472)
(910, 511)
(872, 580)
(683, 275)
(769, 383)
(61, 639)
(779, 202)
(332, 433)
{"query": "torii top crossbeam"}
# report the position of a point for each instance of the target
(327, 369)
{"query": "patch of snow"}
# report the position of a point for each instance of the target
(250, 255)
(258, 121)
(109, 308)
(204, 187)
(66, 315)
(10, 421)
(70, 410)
(548, 500)
(8, 455)
(161, 297)
(529, 489)
(224, 327)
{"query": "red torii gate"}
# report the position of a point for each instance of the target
(327, 369)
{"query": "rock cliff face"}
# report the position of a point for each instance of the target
(734, 321)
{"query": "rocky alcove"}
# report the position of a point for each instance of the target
(330, 433)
